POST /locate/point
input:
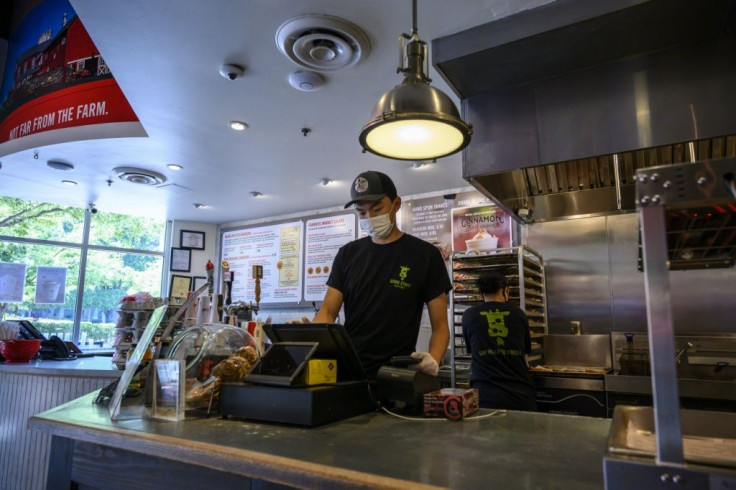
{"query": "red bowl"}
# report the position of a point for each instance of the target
(19, 350)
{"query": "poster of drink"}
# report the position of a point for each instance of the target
(12, 281)
(50, 285)
(481, 229)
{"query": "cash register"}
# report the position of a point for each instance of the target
(275, 390)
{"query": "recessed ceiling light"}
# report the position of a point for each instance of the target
(238, 125)
(199, 205)
(68, 182)
(256, 193)
(59, 165)
(326, 181)
(173, 166)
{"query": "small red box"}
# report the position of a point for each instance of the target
(451, 403)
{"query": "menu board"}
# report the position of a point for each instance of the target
(324, 237)
(278, 248)
(429, 218)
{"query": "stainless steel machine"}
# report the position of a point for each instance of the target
(687, 216)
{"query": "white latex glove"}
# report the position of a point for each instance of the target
(427, 364)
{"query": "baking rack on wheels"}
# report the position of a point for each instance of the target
(687, 215)
(524, 270)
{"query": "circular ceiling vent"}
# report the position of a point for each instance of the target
(139, 176)
(322, 42)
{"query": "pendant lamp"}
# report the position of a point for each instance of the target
(413, 120)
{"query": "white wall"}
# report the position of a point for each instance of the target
(199, 257)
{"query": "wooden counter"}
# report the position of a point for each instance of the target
(27, 389)
(509, 450)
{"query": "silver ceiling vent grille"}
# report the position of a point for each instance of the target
(322, 42)
(139, 176)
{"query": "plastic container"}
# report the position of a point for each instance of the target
(208, 352)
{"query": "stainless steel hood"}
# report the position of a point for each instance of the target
(569, 99)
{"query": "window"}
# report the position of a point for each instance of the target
(124, 255)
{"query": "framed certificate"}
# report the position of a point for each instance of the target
(180, 286)
(181, 260)
(191, 239)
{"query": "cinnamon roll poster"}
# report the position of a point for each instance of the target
(482, 229)
(430, 218)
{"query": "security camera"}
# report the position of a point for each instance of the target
(92, 208)
(231, 72)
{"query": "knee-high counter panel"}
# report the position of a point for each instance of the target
(508, 450)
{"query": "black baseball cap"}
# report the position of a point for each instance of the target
(371, 186)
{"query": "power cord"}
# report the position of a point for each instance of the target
(495, 413)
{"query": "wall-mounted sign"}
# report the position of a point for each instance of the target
(429, 218)
(278, 248)
(324, 237)
(480, 228)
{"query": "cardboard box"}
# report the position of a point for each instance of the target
(451, 403)
(320, 371)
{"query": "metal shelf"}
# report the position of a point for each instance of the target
(524, 269)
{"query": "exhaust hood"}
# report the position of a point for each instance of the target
(570, 99)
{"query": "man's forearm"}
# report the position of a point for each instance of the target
(438, 343)
(324, 316)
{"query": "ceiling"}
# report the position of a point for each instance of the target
(166, 57)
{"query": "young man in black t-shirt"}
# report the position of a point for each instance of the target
(384, 280)
(497, 337)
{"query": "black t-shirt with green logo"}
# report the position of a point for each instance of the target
(497, 336)
(384, 290)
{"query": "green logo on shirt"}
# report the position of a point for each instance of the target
(401, 283)
(404, 272)
(497, 324)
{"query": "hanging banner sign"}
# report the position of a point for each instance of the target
(54, 80)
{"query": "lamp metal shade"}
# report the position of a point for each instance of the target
(415, 121)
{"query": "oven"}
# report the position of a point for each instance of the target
(570, 392)
(572, 379)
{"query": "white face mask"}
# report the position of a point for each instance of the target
(378, 226)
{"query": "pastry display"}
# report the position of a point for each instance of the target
(213, 354)
(461, 276)
(200, 396)
(248, 353)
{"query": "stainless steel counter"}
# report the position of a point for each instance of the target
(690, 388)
(515, 450)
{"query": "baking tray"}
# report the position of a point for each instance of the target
(708, 437)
